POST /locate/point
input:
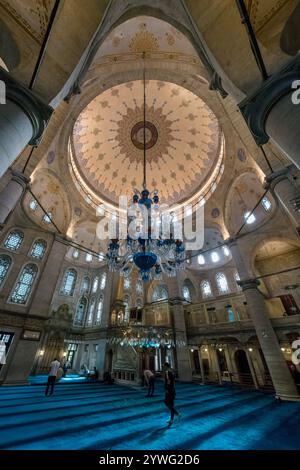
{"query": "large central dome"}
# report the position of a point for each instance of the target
(182, 140)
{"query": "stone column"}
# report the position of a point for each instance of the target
(272, 113)
(282, 380)
(48, 280)
(12, 194)
(216, 364)
(105, 322)
(253, 373)
(286, 191)
(182, 352)
(23, 119)
(201, 365)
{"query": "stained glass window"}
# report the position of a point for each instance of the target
(69, 282)
(206, 289)
(103, 281)
(215, 257)
(201, 260)
(186, 293)
(95, 285)
(249, 218)
(160, 292)
(38, 249)
(75, 254)
(222, 283)
(85, 286)
(91, 312)
(47, 218)
(24, 284)
(266, 203)
(80, 311)
(14, 240)
(89, 258)
(5, 262)
(99, 311)
(33, 205)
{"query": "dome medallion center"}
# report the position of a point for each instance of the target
(137, 135)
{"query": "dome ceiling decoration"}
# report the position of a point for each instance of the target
(146, 34)
(182, 135)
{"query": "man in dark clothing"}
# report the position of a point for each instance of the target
(170, 392)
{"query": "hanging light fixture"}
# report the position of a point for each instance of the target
(151, 252)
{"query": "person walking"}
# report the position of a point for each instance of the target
(170, 393)
(54, 367)
(150, 381)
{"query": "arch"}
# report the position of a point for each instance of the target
(69, 282)
(38, 249)
(5, 264)
(188, 290)
(9, 51)
(242, 365)
(160, 292)
(23, 286)
(14, 240)
(290, 36)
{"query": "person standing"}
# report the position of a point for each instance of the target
(54, 367)
(170, 393)
(150, 380)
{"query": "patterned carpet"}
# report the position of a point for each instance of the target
(105, 417)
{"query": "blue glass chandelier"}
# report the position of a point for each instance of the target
(150, 252)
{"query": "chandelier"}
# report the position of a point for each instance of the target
(146, 337)
(149, 250)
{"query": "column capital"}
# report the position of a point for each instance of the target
(256, 107)
(277, 176)
(37, 111)
(248, 284)
(20, 178)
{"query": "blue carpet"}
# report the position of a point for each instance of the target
(103, 417)
(42, 379)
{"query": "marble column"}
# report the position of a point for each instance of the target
(201, 365)
(252, 370)
(12, 194)
(101, 362)
(282, 185)
(282, 380)
(23, 119)
(179, 327)
(272, 112)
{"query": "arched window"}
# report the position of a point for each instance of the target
(91, 312)
(126, 283)
(47, 218)
(14, 240)
(75, 254)
(215, 257)
(69, 282)
(80, 311)
(206, 289)
(126, 301)
(186, 293)
(226, 251)
(33, 205)
(237, 278)
(249, 218)
(5, 262)
(201, 260)
(24, 284)
(222, 283)
(38, 249)
(139, 287)
(99, 311)
(266, 203)
(95, 285)
(160, 292)
(89, 258)
(103, 281)
(85, 286)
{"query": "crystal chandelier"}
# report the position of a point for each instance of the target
(152, 253)
(145, 337)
